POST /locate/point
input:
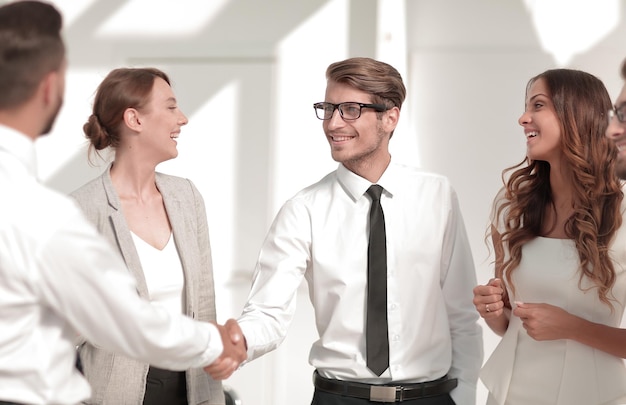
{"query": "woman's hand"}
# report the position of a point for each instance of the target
(489, 299)
(545, 321)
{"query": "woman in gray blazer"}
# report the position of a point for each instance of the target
(158, 223)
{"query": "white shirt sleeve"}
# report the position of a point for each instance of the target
(278, 274)
(84, 279)
(465, 333)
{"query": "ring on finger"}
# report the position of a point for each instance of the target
(487, 308)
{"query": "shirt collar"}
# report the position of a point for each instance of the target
(20, 146)
(356, 186)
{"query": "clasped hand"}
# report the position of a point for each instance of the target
(541, 321)
(488, 299)
(235, 351)
(545, 321)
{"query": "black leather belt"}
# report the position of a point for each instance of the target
(387, 392)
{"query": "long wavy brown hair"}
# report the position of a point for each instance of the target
(581, 103)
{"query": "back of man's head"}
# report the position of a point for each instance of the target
(30, 47)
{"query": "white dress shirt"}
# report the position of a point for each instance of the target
(59, 277)
(321, 234)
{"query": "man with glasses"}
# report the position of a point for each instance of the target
(383, 248)
(616, 130)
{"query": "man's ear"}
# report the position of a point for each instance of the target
(131, 119)
(390, 119)
(50, 88)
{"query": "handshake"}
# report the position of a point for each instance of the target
(234, 353)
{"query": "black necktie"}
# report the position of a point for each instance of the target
(376, 337)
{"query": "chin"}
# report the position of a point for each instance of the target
(340, 156)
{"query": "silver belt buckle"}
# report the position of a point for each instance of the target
(382, 394)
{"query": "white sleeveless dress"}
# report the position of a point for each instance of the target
(523, 371)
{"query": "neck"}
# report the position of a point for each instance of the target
(561, 185)
(371, 169)
(20, 119)
(133, 179)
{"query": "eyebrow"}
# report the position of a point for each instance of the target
(620, 105)
(537, 95)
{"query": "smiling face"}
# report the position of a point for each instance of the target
(361, 143)
(616, 131)
(161, 121)
(541, 124)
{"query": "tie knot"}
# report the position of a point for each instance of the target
(375, 191)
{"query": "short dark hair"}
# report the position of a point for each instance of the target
(624, 69)
(30, 47)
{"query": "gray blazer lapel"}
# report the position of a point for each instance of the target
(123, 236)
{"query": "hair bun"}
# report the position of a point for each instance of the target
(96, 133)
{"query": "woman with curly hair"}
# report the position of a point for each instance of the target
(560, 287)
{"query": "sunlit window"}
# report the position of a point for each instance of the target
(150, 18)
(570, 27)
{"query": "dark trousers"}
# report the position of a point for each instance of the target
(165, 387)
(325, 398)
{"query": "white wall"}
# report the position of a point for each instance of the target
(246, 73)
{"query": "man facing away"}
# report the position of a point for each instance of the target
(430, 350)
(59, 276)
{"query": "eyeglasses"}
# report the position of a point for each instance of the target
(620, 113)
(348, 110)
